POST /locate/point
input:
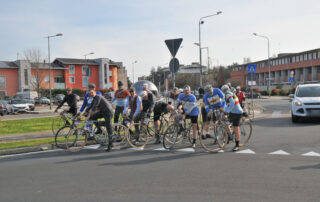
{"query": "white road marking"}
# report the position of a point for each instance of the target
(280, 152)
(312, 153)
(136, 149)
(247, 151)
(276, 114)
(161, 149)
(186, 150)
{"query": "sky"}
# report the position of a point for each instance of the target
(135, 30)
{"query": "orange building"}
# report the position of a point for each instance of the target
(21, 75)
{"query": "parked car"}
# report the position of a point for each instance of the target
(20, 105)
(254, 95)
(42, 100)
(30, 103)
(59, 98)
(10, 109)
(305, 101)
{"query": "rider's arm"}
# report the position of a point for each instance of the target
(114, 97)
(126, 105)
(231, 103)
(219, 92)
(85, 102)
(94, 104)
(138, 107)
(177, 102)
(63, 101)
(206, 103)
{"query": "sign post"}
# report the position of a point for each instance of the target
(252, 69)
(173, 46)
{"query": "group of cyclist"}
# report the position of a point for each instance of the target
(139, 107)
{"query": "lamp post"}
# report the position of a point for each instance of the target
(87, 68)
(133, 71)
(200, 59)
(255, 34)
(48, 37)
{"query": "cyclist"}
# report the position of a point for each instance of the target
(87, 99)
(147, 101)
(120, 96)
(241, 95)
(190, 110)
(173, 95)
(101, 108)
(213, 99)
(235, 112)
(71, 99)
(159, 109)
(133, 103)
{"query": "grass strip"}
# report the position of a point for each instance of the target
(25, 125)
(25, 143)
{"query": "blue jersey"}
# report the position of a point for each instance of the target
(214, 100)
(87, 101)
(188, 104)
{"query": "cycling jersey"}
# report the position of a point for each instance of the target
(215, 100)
(87, 101)
(233, 103)
(188, 104)
(120, 96)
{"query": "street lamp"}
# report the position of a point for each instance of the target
(255, 34)
(197, 44)
(133, 71)
(87, 68)
(200, 59)
(48, 37)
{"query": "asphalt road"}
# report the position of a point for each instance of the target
(253, 174)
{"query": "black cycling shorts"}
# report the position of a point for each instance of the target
(235, 119)
(205, 118)
(194, 119)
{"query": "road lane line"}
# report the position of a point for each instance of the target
(279, 152)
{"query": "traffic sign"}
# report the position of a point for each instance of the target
(252, 68)
(174, 65)
(291, 79)
(173, 45)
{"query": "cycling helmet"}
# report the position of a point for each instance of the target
(238, 88)
(207, 88)
(143, 93)
(228, 84)
(224, 88)
(179, 90)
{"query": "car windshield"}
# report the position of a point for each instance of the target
(18, 101)
(308, 91)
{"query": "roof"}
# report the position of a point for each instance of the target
(74, 61)
(8, 65)
(46, 66)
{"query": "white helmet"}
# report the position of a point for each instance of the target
(228, 84)
(238, 88)
(143, 93)
(224, 88)
(207, 88)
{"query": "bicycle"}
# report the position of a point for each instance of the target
(245, 132)
(177, 132)
(63, 119)
(218, 132)
(249, 109)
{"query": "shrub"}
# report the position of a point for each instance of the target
(284, 92)
(264, 92)
(275, 91)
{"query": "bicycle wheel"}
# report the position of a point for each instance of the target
(245, 132)
(137, 135)
(76, 139)
(101, 138)
(170, 136)
(57, 123)
(120, 133)
(151, 128)
(217, 141)
(60, 137)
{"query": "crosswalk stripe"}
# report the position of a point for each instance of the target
(312, 153)
(136, 149)
(161, 149)
(276, 114)
(247, 151)
(279, 152)
(186, 150)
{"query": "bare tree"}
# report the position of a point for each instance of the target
(38, 73)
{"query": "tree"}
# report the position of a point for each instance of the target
(34, 56)
(220, 78)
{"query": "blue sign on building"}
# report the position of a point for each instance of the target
(291, 79)
(252, 68)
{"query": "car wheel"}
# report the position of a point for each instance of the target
(294, 118)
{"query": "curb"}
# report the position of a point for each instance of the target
(26, 150)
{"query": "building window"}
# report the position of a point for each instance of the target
(293, 59)
(71, 79)
(305, 57)
(286, 61)
(310, 56)
(86, 70)
(59, 79)
(46, 79)
(85, 81)
(71, 69)
(3, 82)
(301, 58)
(315, 55)
(26, 77)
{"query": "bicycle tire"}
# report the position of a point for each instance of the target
(250, 112)
(122, 132)
(217, 141)
(60, 137)
(170, 136)
(245, 132)
(76, 139)
(137, 138)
